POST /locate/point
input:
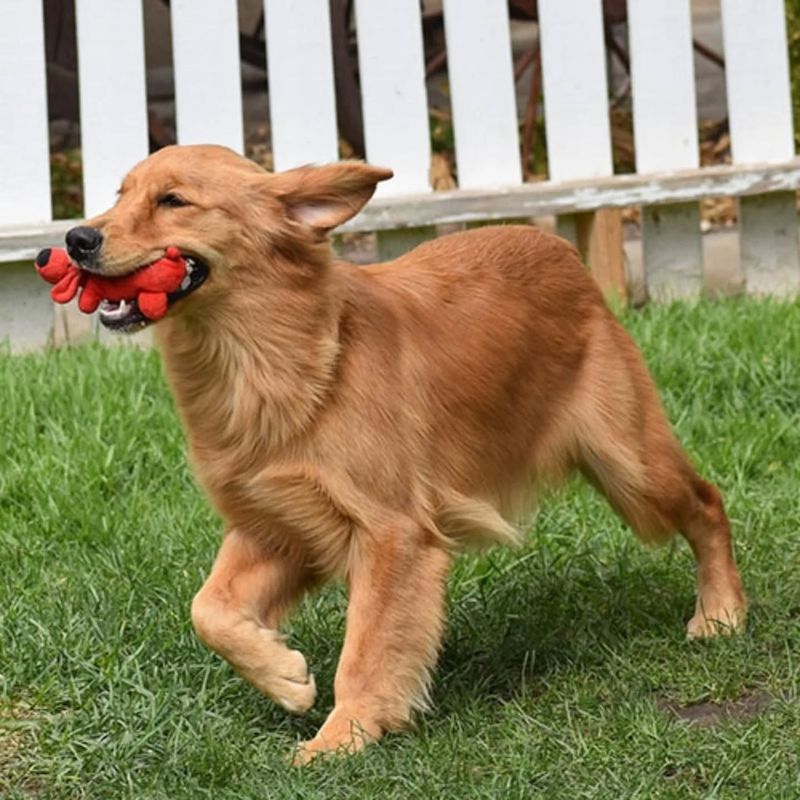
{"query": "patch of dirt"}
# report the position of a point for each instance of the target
(17, 723)
(708, 714)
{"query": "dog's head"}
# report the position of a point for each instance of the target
(223, 212)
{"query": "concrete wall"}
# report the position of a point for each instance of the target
(26, 310)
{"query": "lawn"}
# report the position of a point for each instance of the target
(564, 673)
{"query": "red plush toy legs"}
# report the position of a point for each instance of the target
(55, 266)
(148, 286)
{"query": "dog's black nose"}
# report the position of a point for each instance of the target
(83, 243)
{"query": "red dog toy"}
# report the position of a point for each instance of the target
(149, 286)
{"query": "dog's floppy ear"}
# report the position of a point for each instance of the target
(324, 197)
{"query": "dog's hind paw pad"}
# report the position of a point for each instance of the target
(725, 622)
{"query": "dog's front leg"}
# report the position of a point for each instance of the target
(394, 627)
(237, 612)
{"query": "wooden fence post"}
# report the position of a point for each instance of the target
(598, 236)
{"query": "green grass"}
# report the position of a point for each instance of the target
(560, 661)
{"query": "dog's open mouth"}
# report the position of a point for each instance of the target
(125, 316)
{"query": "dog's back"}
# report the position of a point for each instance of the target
(474, 346)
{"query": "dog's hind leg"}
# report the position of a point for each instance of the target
(721, 603)
(628, 451)
(678, 500)
(395, 620)
(237, 612)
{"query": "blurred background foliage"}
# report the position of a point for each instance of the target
(793, 36)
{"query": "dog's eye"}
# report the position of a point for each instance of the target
(172, 200)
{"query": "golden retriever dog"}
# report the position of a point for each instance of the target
(364, 423)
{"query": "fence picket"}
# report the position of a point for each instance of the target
(24, 159)
(575, 89)
(208, 89)
(577, 125)
(481, 82)
(395, 105)
(301, 89)
(112, 95)
(759, 109)
(396, 128)
(665, 126)
(26, 310)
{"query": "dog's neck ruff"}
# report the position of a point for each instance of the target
(250, 374)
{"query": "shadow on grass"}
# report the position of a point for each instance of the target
(538, 623)
(516, 625)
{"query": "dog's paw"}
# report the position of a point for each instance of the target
(341, 735)
(291, 684)
(722, 621)
(306, 752)
(322, 747)
(294, 696)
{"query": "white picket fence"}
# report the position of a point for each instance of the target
(668, 182)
